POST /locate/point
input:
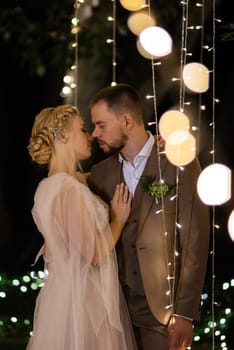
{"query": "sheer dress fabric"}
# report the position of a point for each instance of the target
(80, 306)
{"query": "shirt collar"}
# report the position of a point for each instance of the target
(146, 149)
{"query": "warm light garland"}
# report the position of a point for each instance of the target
(170, 280)
(114, 63)
(186, 58)
(70, 89)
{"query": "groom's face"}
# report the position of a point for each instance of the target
(108, 128)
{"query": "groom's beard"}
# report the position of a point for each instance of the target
(114, 146)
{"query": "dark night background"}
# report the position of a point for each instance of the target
(35, 54)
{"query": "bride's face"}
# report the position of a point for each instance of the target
(81, 139)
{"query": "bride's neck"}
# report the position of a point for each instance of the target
(61, 167)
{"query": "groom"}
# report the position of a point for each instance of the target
(163, 249)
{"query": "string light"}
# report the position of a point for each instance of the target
(158, 63)
(114, 63)
(154, 66)
(82, 11)
(185, 54)
(159, 211)
(70, 89)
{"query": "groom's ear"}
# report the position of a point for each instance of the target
(127, 121)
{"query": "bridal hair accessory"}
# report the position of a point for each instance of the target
(57, 132)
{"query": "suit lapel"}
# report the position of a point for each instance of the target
(142, 200)
(116, 173)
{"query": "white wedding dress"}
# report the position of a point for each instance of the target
(80, 306)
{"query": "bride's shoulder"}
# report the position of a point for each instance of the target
(82, 177)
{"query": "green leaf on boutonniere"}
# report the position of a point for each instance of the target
(154, 189)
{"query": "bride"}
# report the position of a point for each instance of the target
(80, 306)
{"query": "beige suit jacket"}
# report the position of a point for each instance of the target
(172, 238)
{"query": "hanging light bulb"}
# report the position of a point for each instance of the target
(133, 5)
(196, 77)
(171, 121)
(214, 184)
(180, 147)
(231, 225)
(156, 41)
(140, 20)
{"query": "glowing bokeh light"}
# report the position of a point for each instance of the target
(231, 225)
(156, 41)
(132, 5)
(180, 147)
(143, 52)
(138, 21)
(196, 77)
(214, 184)
(171, 121)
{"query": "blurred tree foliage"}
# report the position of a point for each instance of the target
(36, 33)
(38, 36)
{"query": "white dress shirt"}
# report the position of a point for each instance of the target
(133, 171)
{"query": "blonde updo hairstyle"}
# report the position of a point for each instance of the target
(43, 135)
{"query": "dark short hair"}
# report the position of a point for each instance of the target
(120, 98)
